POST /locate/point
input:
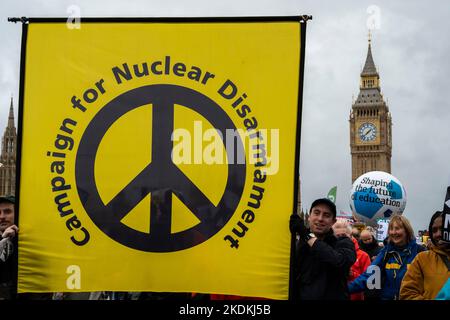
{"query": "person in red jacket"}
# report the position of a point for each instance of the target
(343, 228)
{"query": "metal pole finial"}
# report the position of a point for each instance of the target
(15, 20)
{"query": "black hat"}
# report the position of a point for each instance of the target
(326, 202)
(8, 198)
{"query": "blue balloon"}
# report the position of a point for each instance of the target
(377, 195)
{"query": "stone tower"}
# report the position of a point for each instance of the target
(8, 157)
(370, 124)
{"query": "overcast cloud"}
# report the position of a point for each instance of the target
(410, 50)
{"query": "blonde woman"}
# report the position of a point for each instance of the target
(393, 259)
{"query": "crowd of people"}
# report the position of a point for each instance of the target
(335, 266)
(333, 261)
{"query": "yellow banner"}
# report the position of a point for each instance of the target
(158, 157)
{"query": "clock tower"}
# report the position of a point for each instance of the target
(370, 124)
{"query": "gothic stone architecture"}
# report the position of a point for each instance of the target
(8, 157)
(370, 125)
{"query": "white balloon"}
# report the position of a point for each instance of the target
(377, 195)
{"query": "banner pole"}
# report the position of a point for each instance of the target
(303, 22)
(19, 134)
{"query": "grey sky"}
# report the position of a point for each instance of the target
(410, 50)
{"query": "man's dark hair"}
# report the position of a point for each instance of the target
(330, 204)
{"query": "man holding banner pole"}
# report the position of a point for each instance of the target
(8, 248)
(322, 261)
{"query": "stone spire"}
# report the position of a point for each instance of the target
(369, 67)
(11, 115)
(370, 91)
(8, 156)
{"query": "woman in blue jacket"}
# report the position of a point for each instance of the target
(392, 260)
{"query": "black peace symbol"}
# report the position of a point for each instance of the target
(161, 177)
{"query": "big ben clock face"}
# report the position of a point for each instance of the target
(367, 132)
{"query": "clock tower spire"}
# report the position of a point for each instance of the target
(370, 124)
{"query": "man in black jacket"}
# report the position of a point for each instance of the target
(322, 261)
(9, 233)
(8, 249)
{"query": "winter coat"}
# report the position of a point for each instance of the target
(426, 275)
(393, 262)
(359, 267)
(8, 268)
(321, 271)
